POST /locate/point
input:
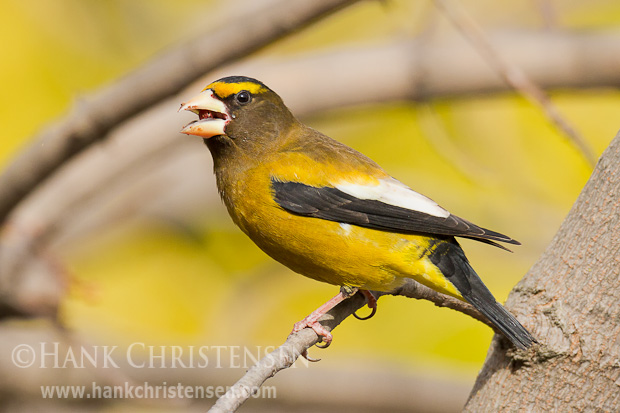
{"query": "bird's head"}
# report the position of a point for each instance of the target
(240, 111)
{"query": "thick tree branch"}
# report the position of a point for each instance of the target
(94, 118)
(573, 296)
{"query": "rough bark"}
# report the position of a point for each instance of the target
(571, 297)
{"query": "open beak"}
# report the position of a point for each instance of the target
(212, 115)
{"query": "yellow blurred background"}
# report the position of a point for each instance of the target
(494, 160)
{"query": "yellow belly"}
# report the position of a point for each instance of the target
(327, 251)
(343, 254)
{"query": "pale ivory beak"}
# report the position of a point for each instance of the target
(213, 115)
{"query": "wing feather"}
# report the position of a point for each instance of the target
(336, 205)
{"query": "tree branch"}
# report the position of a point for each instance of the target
(513, 74)
(93, 119)
(284, 356)
(412, 289)
(572, 296)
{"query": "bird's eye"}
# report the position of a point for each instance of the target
(243, 97)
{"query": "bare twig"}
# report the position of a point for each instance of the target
(92, 119)
(418, 291)
(513, 75)
(338, 387)
(284, 356)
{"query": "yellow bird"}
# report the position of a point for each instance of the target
(330, 213)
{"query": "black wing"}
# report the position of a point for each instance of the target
(334, 205)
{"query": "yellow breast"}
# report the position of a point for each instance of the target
(327, 251)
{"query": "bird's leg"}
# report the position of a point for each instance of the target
(312, 319)
(372, 304)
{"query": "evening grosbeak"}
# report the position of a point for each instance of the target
(330, 213)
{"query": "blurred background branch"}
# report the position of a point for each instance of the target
(92, 119)
(512, 74)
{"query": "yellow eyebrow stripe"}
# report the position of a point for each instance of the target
(224, 90)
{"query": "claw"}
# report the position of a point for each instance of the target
(372, 304)
(324, 345)
(305, 355)
(372, 313)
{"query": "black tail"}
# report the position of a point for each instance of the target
(448, 256)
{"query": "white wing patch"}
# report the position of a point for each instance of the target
(346, 228)
(393, 192)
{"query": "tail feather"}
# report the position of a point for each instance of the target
(504, 321)
(448, 256)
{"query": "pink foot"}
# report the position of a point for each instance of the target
(311, 321)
